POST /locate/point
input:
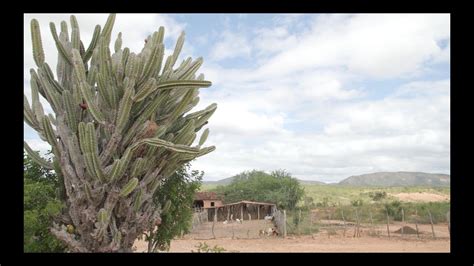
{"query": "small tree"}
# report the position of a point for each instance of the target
(176, 195)
(279, 187)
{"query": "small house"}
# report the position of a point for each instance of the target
(206, 200)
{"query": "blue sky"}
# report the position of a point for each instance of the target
(324, 96)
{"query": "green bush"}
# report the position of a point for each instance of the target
(357, 202)
(179, 190)
(40, 204)
(377, 195)
(394, 210)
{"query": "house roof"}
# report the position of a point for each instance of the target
(206, 196)
(250, 202)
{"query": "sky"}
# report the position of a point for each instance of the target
(323, 96)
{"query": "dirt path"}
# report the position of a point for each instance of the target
(320, 242)
(307, 244)
(421, 197)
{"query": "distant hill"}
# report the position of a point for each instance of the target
(390, 179)
(311, 182)
(224, 181)
(229, 180)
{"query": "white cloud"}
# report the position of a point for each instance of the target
(375, 45)
(390, 134)
(231, 45)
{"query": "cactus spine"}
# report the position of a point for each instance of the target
(121, 126)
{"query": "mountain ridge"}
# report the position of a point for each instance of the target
(399, 178)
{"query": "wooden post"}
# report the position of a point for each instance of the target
(215, 213)
(416, 224)
(228, 213)
(356, 229)
(344, 220)
(242, 212)
(432, 227)
(358, 225)
(403, 221)
(311, 224)
(284, 223)
(250, 217)
(388, 228)
(213, 235)
(258, 212)
(372, 222)
(233, 231)
(299, 222)
(448, 218)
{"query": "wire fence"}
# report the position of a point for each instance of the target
(328, 222)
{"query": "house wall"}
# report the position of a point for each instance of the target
(217, 203)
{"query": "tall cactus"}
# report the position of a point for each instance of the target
(121, 126)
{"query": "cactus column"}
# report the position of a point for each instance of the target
(122, 124)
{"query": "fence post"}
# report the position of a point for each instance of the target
(284, 223)
(403, 221)
(242, 212)
(388, 228)
(258, 212)
(311, 224)
(213, 235)
(299, 222)
(233, 231)
(344, 221)
(372, 223)
(416, 223)
(432, 227)
(356, 229)
(448, 218)
(371, 219)
(215, 213)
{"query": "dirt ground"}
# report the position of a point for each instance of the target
(372, 239)
(421, 197)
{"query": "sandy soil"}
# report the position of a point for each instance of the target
(421, 197)
(373, 239)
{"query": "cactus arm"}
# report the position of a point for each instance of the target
(203, 138)
(61, 49)
(147, 88)
(33, 155)
(107, 31)
(38, 53)
(129, 187)
(85, 88)
(75, 34)
(183, 83)
(71, 110)
(169, 145)
(124, 108)
(118, 43)
(191, 70)
(92, 45)
(29, 115)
